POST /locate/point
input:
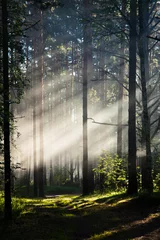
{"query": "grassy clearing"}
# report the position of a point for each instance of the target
(23, 191)
(73, 217)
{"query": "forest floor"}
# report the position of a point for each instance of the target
(71, 217)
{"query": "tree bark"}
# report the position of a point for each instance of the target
(86, 57)
(7, 159)
(41, 174)
(35, 175)
(147, 181)
(120, 87)
(132, 174)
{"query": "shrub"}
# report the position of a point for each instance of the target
(111, 172)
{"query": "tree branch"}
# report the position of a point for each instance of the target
(108, 124)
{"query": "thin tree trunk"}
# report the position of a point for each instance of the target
(120, 88)
(71, 167)
(41, 162)
(7, 159)
(102, 75)
(132, 186)
(78, 174)
(35, 175)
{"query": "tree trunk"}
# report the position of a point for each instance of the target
(41, 174)
(7, 160)
(91, 177)
(86, 58)
(147, 181)
(120, 87)
(132, 174)
(35, 175)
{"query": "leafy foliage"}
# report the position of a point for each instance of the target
(111, 171)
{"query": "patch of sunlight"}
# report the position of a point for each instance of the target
(44, 202)
(151, 217)
(125, 227)
(103, 235)
(27, 211)
(87, 205)
(29, 200)
(69, 197)
(121, 201)
(53, 205)
(68, 215)
(1, 194)
(62, 202)
(84, 202)
(94, 197)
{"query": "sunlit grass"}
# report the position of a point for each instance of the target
(103, 235)
(93, 217)
(25, 205)
(18, 205)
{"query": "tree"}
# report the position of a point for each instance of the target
(86, 58)
(35, 173)
(147, 182)
(120, 87)
(41, 174)
(6, 113)
(85, 128)
(132, 175)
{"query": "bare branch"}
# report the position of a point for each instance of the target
(108, 124)
(155, 38)
(31, 26)
(152, 105)
(155, 121)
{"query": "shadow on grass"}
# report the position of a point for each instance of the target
(112, 217)
(140, 230)
(111, 199)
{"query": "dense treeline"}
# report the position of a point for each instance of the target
(80, 96)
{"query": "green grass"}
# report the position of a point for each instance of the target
(73, 217)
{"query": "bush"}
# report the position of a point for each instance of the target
(111, 172)
(157, 181)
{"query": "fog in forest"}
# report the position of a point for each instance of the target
(83, 83)
(62, 130)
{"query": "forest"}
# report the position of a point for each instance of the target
(79, 119)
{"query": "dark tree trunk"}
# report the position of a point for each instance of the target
(28, 175)
(51, 108)
(35, 175)
(41, 174)
(78, 175)
(86, 43)
(102, 79)
(147, 181)
(51, 172)
(71, 168)
(132, 174)
(102, 179)
(7, 160)
(91, 177)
